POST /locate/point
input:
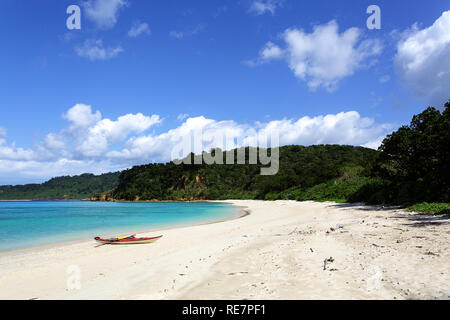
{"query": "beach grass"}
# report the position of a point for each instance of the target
(432, 208)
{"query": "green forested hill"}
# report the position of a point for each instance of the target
(76, 187)
(300, 168)
(411, 167)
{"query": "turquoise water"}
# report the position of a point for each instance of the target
(34, 223)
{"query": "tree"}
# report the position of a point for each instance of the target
(415, 158)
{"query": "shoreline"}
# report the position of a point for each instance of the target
(89, 200)
(282, 250)
(242, 212)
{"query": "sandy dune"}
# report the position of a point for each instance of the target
(282, 250)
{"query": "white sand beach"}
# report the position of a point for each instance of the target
(281, 250)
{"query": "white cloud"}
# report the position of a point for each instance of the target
(103, 12)
(182, 116)
(385, 79)
(91, 143)
(342, 128)
(81, 115)
(176, 34)
(271, 51)
(159, 147)
(323, 57)
(139, 28)
(3, 132)
(374, 144)
(182, 34)
(94, 50)
(107, 132)
(423, 60)
(54, 142)
(11, 152)
(90, 135)
(260, 7)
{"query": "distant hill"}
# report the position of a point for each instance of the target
(62, 188)
(411, 167)
(300, 168)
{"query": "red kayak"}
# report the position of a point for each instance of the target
(128, 240)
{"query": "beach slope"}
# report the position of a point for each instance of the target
(281, 250)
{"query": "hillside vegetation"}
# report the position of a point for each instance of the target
(300, 168)
(62, 188)
(411, 167)
(414, 163)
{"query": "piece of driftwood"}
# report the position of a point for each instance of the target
(330, 259)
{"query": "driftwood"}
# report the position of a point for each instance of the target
(330, 259)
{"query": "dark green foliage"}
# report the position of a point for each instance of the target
(414, 163)
(300, 168)
(62, 188)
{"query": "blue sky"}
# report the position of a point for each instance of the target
(141, 74)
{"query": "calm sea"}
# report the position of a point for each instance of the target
(34, 223)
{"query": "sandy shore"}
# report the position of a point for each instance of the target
(282, 250)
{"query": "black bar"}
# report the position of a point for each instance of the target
(226, 309)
